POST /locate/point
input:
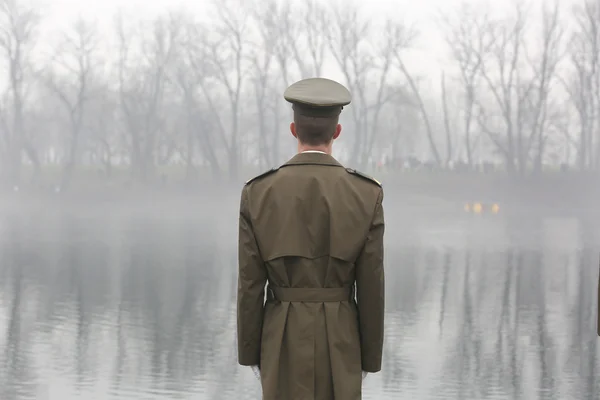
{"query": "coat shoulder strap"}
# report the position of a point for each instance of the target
(268, 172)
(364, 176)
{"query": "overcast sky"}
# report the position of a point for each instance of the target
(149, 7)
(418, 10)
(428, 60)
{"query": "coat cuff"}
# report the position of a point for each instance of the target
(248, 355)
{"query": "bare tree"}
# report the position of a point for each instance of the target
(309, 47)
(18, 38)
(402, 125)
(584, 84)
(142, 89)
(395, 36)
(561, 124)
(287, 31)
(348, 35)
(291, 42)
(208, 95)
(71, 79)
(502, 71)
(398, 49)
(464, 33)
(192, 72)
(544, 69)
(446, 118)
(264, 61)
(300, 42)
(519, 82)
(102, 111)
(366, 70)
(227, 51)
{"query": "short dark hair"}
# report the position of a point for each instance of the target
(315, 131)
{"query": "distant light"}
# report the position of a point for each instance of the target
(478, 208)
(16, 188)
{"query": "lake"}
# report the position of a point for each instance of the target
(141, 305)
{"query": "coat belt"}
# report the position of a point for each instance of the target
(310, 295)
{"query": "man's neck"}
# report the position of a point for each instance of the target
(323, 149)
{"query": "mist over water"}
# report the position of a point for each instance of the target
(126, 134)
(110, 305)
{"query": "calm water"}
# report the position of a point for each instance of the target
(131, 307)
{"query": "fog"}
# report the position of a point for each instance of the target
(127, 130)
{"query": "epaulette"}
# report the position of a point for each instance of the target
(262, 175)
(364, 176)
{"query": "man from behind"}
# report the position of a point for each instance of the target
(313, 231)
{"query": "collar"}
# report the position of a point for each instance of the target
(313, 157)
(313, 151)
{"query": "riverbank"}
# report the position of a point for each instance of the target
(429, 192)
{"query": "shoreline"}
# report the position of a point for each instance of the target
(569, 193)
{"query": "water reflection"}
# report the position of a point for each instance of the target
(116, 308)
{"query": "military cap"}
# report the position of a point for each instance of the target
(317, 97)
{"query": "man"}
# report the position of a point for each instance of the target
(314, 231)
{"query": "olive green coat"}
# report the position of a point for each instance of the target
(316, 227)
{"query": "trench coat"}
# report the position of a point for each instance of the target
(311, 242)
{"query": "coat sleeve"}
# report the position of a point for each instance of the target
(252, 278)
(370, 288)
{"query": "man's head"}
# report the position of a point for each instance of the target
(317, 104)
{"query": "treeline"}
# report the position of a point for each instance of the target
(520, 89)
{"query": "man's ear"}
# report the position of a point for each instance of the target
(293, 130)
(338, 130)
